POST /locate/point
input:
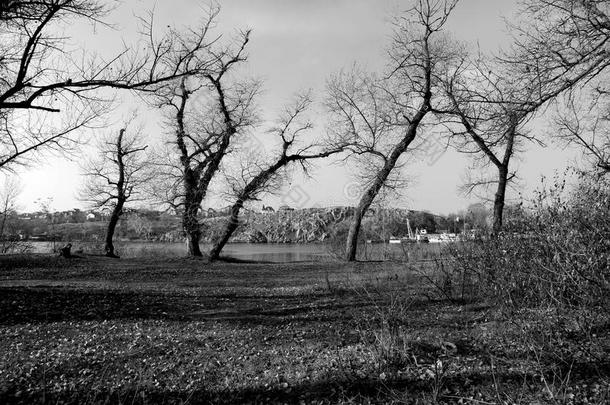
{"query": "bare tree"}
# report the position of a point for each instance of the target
(394, 107)
(8, 205)
(207, 112)
(492, 112)
(41, 78)
(115, 177)
(493, 104)
(558, 46)
(256, 179)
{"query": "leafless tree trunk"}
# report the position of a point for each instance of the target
(381, 118)
(204, 132)
(289, 130)
(382, 176)
(116, 178)
(8, 203)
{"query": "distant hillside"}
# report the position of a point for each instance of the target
(312, 225)
(298, 226)
(309, 225)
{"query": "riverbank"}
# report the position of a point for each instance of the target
(150, 330)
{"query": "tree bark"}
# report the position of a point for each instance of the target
(196, 179)
(367, 199)
(365, 203)
(256, 184)
(192, 243)
(503, 179)
(120, 197)
(499, 199)
(190, 176)
(501, 165)
(190, 222)
(228, 231)
(114, 219)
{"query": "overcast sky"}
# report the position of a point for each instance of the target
(296, 45)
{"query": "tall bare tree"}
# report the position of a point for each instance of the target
(491, 111)
(9, 193)
(208, 112)
(116, 177)
(394, 107)
(559, 46)
(48, 92)
(259, 178)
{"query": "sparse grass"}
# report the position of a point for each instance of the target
(98, 330)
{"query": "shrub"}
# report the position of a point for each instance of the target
(549, 270)
(552, 254)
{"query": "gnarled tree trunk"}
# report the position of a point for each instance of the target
(190, 220)
(114, 220)
(367, 199)
(121, 197)
(499, 199)
(228, 231)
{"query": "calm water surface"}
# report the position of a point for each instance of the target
(244, 251)
(266, 252)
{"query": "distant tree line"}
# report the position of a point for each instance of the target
(152, 225)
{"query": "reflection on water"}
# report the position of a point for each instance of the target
(270, 252)
(243, 251)
(277, 252)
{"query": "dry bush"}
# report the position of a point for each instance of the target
(548, 272)
(552, 255)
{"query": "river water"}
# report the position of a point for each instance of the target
(265, 252)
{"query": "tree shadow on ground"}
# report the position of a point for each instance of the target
(332, 388)
(56, 304)
(22, 304)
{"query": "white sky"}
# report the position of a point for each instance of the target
(296, 45)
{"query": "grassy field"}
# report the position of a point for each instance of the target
(155, 330)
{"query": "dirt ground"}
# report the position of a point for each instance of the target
(158, 330)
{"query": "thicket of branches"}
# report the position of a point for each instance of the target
(49, 94)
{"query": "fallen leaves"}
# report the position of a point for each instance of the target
(160, 342)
